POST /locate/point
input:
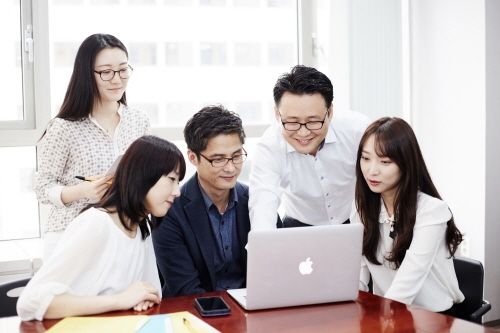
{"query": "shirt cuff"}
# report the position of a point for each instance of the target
(55, 196)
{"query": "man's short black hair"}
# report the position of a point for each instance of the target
(210, 122)
(303, 80)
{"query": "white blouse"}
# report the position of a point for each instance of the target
(426, 277)
(80, 148)
(94, 257)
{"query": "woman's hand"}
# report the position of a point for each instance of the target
(94, 190)
(143, 306)
(139, 295)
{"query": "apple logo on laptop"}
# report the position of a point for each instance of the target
(305, 267)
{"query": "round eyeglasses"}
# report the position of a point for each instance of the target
(109, 74)
(223, 161)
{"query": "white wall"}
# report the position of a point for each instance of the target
(376, 57)
(360, 48)
(448, 105)
(455, 82)
(492, 228)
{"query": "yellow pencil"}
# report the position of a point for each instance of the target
(87, 179)
(188, 325)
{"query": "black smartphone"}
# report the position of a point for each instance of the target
(212, 306)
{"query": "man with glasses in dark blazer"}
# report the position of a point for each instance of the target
(200, 244)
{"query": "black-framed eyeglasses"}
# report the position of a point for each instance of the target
(109, 74)
(223, 161)
(310, 125)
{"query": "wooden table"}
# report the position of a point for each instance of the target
(369, 313)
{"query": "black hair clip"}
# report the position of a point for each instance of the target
(391, 221)
(392, 233)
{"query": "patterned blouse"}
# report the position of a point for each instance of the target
(80, 148)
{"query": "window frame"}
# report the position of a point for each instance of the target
(36, 91)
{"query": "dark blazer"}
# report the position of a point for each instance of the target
(183, 242)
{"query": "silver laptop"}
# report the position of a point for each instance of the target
(300, 266)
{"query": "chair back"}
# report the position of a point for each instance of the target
(470, 276)
(9, 293)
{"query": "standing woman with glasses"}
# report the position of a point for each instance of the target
(93, 127)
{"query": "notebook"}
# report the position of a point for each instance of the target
(300, 266)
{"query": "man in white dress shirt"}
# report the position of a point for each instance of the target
(305, 161)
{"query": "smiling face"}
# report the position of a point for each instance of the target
(111, 59)
(161, 196)
(380, 173)
(303, 109)
(217, 180)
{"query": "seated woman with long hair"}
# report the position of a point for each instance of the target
(105, 260)
(410, 236)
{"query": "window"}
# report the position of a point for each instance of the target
(24, 65)
(152, 111)
(253, 112)
(143, 54)
(214, 54)
(246, 3)
(217, 56)
(141, 2)
(280, 53)
(64, 54)
(248, 54)
(212, 2)
(280, 3)
(95, 2)
(12, 62)
(178, 114)
(186, 54)
(18, 204)
(179, 54)
(14, 58)
(178, 2)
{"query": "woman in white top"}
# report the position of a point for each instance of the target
(105, 260)
(93, 127)
(410, 236)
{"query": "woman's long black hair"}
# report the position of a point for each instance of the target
(146, 160)
(395, 139)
